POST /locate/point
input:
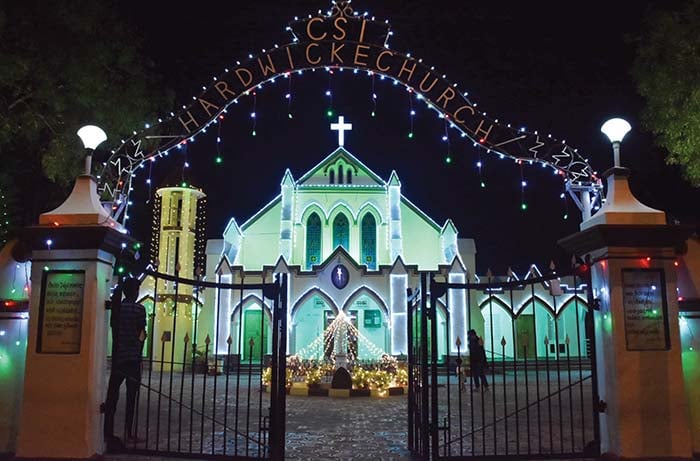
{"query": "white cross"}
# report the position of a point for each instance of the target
(341, 127)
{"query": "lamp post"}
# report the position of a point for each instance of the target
(91, 136)
(616, 129)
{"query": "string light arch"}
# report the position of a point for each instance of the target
(342, 39)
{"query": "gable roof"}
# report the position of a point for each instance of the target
(320, 168)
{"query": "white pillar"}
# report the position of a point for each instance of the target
(64, 384)
(638, 350)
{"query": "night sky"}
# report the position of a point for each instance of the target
(561, 69)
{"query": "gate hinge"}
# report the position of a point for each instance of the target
(602, 406)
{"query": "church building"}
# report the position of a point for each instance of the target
(351, 243)
(352, 246)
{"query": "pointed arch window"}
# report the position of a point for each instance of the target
(331, 175)
(369, 241)
(340, 174)
(349, 177)
(341, 232)
(313, 240)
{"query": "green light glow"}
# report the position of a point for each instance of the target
(448, 159)
(219, 160)
(254, 133)
(329, 112)
(523, 206)
(410, 135)
(46, 268)
(290, 115)
(566, 216)
(373, 114)
(483, 184)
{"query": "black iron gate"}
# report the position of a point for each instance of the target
(541, 400)
(205, 398)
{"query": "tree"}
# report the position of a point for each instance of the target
(64, 65)
(667, 74)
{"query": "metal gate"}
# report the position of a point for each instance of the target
(204, 397)
(542, 398)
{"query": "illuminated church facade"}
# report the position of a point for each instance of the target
(351, 244)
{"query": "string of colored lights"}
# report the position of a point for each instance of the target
(446, 139)
(523, 183)
(288, 95)
(346, 11)
(373, 97)
(219, 148)
(253, 114)
(411, 111)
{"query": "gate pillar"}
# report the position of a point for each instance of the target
(630, 251)
(74, 249)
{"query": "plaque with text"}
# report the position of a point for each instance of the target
(645, 309)
(61, 312)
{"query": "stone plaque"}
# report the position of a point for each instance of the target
(645, 309)
(61, 312)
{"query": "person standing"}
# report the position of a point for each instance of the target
(128, 322)
(477, 359)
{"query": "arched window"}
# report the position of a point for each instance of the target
(340, 174)
(313, 240)
(332, 177)
(369, 241)
(349, 176)
(341, 232)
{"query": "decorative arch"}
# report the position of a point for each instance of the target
(536, 299)
(310, 208)
(572, 302)
(370, 207)
(315, 291)
(499, 303)
(364, 290)
(248, 299)
(340, 38)
(341, 206)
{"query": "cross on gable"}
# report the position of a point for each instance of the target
(341, 127)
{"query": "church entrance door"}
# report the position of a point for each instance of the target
(255, 327)
(525, 334)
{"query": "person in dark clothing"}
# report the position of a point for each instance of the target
(477, 359)
(128, 322)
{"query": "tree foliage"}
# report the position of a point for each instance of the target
(64, 65)
(667, 73)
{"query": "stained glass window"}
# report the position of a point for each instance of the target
(369, 241)
(313, 240)
(341, 232)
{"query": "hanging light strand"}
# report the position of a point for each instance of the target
(564, 198)
(411, 112)
(523, 183)
(288, 96)
(253, 115)
(329, 94)
(373, 96)
(219, 146)
(446, 139)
